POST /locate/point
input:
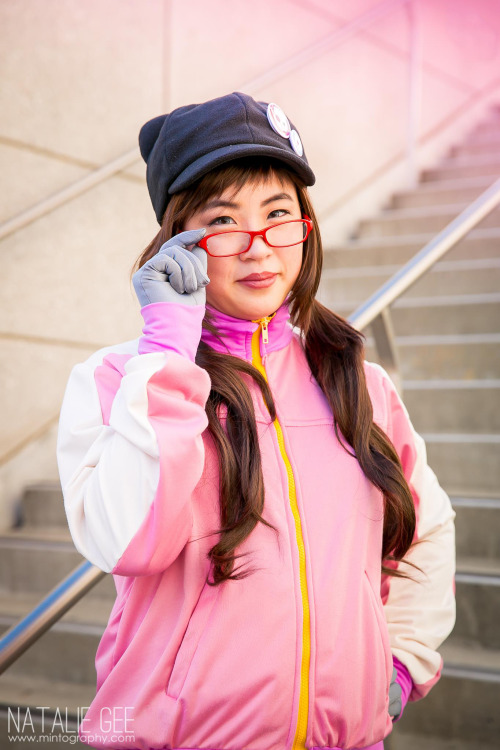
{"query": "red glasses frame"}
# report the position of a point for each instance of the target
(253, 234)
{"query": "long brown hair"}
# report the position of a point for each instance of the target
(335, 353)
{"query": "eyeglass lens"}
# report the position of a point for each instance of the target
(281, 235)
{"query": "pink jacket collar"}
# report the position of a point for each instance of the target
(236, 333)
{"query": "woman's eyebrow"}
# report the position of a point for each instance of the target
(277, 197)
(218, 203)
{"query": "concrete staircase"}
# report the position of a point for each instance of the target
(447, 330)
(58, 670)
(448, 336)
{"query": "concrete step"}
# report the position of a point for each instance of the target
(478, 602)
(442, 193)
(478, 599)
(480, 165)
(462, 707)
(477, 527)
(450, 314)
(399, 249)
(488, 129)
(461, 357)
(401, 740)
(65, 652)
(463, 406)
(43, 505)
(418, 219)
(36, 559)
(444, 315)
(490, 145)
(491, 137)
(482, 158)
(88, 611)
(67, 704)
(447, 277)
(466, 659)
(465, 464)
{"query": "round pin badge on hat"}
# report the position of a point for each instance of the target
(278, 120)
(296, 143)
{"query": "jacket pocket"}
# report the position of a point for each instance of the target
(377, 605)
(192, 636)
(353, 669)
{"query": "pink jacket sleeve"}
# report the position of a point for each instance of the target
(130, 448)
(420, 613)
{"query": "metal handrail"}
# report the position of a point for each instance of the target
(72, 588)
(411, 272)
(50, 609)
(68, 193)
(375, 310)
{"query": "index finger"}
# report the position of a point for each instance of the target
(190, 237)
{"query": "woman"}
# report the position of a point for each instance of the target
(251, 482)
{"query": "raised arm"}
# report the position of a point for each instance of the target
(130, 447)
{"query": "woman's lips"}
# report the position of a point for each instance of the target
(258, 280)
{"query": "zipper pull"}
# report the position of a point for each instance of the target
(263, 322)
(265, 336)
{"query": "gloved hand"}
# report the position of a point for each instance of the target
(395, 704)
(174, 274)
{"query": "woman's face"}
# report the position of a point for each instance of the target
(255, 206)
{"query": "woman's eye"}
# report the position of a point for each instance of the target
(222, 220)
(278, 213)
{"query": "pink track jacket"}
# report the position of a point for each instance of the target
(300, 653)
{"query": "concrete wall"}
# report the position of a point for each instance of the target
(79, 78)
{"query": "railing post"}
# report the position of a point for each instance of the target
(385, 345)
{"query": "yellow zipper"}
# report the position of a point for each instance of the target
(299, 741)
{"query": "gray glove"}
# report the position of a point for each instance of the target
(174, 274)
(395, 704)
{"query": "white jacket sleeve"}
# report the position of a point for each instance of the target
(421, 613)
(130, 453)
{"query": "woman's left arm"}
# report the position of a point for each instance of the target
(420, 613)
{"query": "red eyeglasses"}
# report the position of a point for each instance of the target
(288, 233)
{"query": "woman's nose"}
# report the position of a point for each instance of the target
(258, 249)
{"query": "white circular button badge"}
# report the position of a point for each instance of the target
(278, 120)
(296, 143)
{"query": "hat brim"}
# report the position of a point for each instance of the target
(205, 163)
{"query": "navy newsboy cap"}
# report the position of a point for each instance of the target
(184, 145)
